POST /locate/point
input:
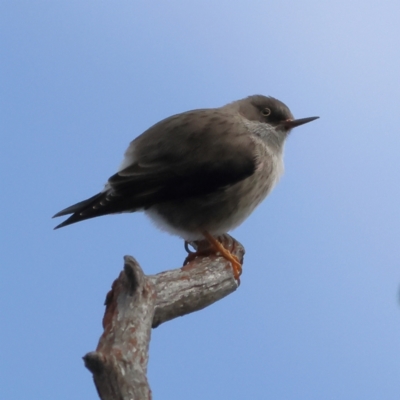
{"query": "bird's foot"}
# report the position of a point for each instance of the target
(220, 246)
(224, 245)
(199, 250)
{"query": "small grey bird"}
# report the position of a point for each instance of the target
(201, 173)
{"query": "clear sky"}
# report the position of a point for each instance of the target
(317, 314)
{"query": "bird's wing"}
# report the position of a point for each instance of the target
(186, 155)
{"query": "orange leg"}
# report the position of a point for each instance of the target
(236, 265)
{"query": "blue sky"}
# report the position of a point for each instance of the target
(317, 313)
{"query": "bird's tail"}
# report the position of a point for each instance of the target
(85, 209)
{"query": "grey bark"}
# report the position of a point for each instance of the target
(137, 303)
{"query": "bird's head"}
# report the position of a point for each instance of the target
(276, 115)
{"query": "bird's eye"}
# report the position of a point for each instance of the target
(266, 112)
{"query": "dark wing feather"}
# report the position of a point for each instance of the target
(190, 154)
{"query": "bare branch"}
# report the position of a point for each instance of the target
(138, 302)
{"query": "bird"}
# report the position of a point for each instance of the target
(201, 173)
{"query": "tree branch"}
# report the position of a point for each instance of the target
(137, 302)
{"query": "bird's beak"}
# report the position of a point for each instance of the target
(292, 123)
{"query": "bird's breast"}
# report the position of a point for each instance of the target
(255, 188)
(224, 210)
